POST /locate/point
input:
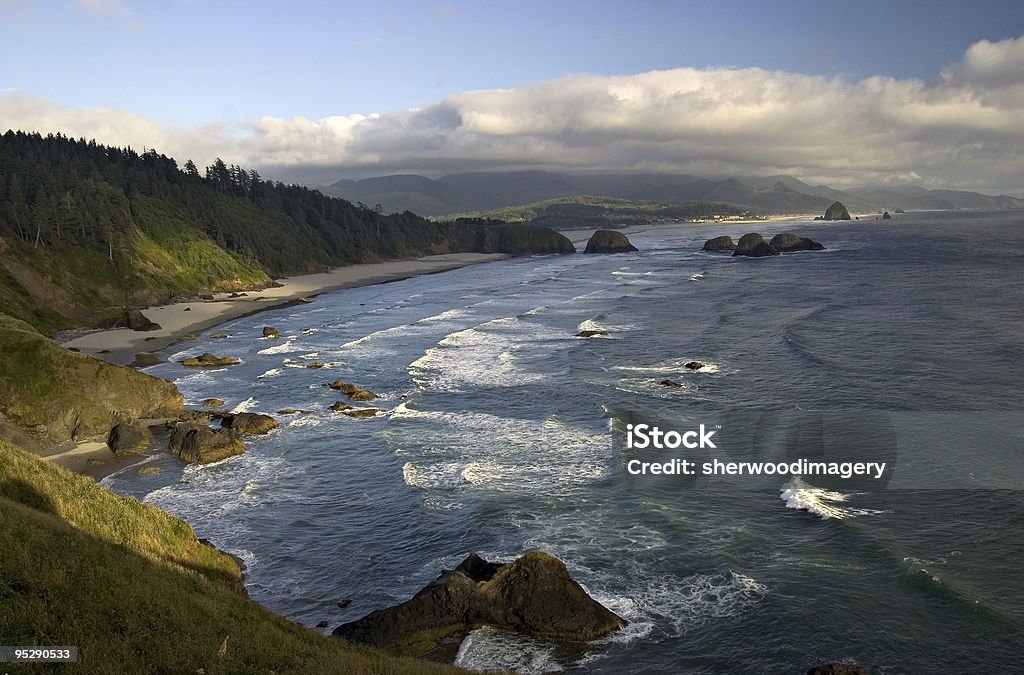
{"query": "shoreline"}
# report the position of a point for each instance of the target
(180, 320)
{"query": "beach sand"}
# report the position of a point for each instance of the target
(121, 345)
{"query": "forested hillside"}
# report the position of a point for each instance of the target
(87, 230)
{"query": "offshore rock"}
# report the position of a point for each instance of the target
(753, 245)
(787, 242)
(609, 241)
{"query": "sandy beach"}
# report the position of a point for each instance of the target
(185, 318)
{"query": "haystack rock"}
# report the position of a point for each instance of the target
(753, 245)
(723, 243)
(533, 595)
(787, 242)
(609, 241)
(837, 212)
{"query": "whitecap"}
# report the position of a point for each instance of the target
(283, 348)
(824, 503)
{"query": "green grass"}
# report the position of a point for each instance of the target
(135, 590)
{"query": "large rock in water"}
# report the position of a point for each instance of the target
(837, 212)
(754, 246)
(723, 243)
(533, 595)
(209, 360)
(609, 241)
(787, 242)
(248, 423)
(199, 444)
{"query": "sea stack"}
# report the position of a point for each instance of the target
(787, 242)
(753, 245)
(609, 241)
(723, 243)
(837, 212)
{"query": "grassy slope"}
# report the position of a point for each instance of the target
(137, 593)
(58, 394)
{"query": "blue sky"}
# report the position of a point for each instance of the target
(189, 65)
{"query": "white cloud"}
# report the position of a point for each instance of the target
(962, 127)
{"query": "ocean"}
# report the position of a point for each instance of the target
(503, 432)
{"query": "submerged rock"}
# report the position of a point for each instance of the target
(837, 211)
(248, 423)
(671, 383)
(128, 439)
(787, 242)
(212, 403)
(361, 412)
(838, 669)
(609, 241)
(592, 333)
(753, 245)
(208, 360)
(695, 365)
(532, 595)
(200, 444)
(723, 243)
(270, 332)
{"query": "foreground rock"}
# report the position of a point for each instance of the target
(787, 242)
(609, 241)
(533, 595)
(136, 320)
(723, 243)
(353, 392)
(199, 444)
(212, 402)
(128, 439)
(753, 245)
(837, 211)
(248, 423)
(208, 360)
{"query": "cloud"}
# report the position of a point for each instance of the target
(963, 127)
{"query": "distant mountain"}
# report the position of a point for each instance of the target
(491, 191)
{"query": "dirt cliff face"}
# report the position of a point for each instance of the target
(56, 395)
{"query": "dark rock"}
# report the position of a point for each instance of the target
(128, 439)
(238, 295)
(787, 242)
(205, 296)
(303, 301)
(212, 403)
(187, 309)
(199, 444)
(838, 669)
(344, 602)
(533, 595)
(322, 624)
(723, 243)
(315, 364)
(208, 360)
(248, 423)
(361, 412)
(886, 216)
(219, 336)
(270, 332)
(837, 212)
(670, 383)
(753, 245)
(136, 320)
(695, 365)
(592, 333)
(340, 406)
(609, 241)
(352, 391)
(193, 416)
(76, 349)
(899, 211)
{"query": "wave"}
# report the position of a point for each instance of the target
(246, 405)
(491, 649)
(824, 503)
(273, 372)
(283, 348)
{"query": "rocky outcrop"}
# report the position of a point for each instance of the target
(787, 242)
(199, 444)
(695, 365)
(886, 216)
(352, 391)
(248, 423)
(533, 595)
(136, 320)
(609, 241)
(340, 406)
(128, 439)
(753, 245)
(512, 239)
(270, 332)
(592, 333)
(208, 360)
(723, 243)
(212, 402)
(56, 395)
(837, 211)
(671, 383)
(361, 412)
(838, 669)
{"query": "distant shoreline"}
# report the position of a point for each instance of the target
(181, 319)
